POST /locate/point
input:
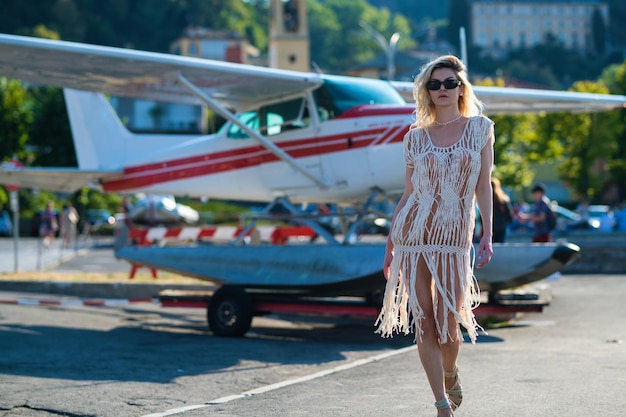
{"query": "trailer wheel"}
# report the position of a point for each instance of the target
(230, 311)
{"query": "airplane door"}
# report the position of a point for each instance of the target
(289, 125)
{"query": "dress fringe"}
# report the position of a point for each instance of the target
(401, 311)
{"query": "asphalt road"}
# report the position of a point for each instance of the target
(147, 360)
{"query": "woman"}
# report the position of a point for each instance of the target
(48, 225)
(502, 211)
(429, 260)
(69, 219)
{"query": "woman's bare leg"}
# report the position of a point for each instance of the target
(428, 346)
(450, 353)
(450, 350)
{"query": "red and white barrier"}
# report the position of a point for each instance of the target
(277, 235)
(76, 303)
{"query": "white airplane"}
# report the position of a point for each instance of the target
(290, 137)
(311, 137)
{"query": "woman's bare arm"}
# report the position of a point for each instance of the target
(484, 199)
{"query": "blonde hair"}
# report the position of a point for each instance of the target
(469, 105)
(500, 197)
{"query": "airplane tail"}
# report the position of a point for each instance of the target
(99, 135)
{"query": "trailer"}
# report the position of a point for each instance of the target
(230, 309)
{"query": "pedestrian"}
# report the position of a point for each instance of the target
(520, 216)
(502, 211)
(69, 220)
(127, 207)
(429, 258)
(540, 215)
(48, 224)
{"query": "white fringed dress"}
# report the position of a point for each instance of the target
(436, 226)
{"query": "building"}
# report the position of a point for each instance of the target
(499, 26)
(152, 116)
(214, 44)
(289, 44)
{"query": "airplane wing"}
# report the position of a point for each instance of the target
(506, 100)
(140, 74)
(147, 75)
(55, 179)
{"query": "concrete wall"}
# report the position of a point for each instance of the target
(600, 252)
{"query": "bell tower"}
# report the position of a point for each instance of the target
(289, 35)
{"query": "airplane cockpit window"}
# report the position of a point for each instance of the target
(273, 119)
(288, 115)
(334, 98)
(250, 119)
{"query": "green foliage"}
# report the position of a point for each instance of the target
(515, 149)
(339, 41)
(50, 134)
(15, 116)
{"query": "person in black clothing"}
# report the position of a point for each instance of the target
(502, 211)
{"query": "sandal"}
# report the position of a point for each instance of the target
(443, 404)
(455, 393)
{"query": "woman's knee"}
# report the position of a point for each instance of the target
(428, 328)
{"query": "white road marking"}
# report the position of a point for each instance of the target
(286, 383)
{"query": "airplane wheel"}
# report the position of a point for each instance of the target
(230, 311)
(375, 298)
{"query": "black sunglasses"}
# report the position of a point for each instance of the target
(448, 84)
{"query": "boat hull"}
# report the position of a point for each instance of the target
(333, 270)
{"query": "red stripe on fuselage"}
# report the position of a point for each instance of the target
(222, 161)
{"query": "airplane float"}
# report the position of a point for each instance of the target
(290, 137)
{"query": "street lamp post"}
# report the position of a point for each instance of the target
(388, 46)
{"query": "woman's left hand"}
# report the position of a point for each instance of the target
(485, 252)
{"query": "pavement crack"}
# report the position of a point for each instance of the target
(52, 411)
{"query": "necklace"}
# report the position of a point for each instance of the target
(448, 122)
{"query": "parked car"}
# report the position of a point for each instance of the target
(601, 217)
(99, 219)
(570, 220)
(6, 225)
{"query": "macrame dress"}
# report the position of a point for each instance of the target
(436, 226)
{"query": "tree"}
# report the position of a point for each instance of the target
(16, 114)
(617, 164)
(50, 134)
(586, 144)
(339, 42)
(515, 148)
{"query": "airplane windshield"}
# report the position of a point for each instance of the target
(334, 98)
(272, 119)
